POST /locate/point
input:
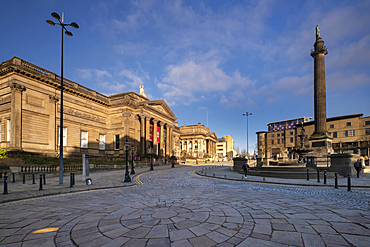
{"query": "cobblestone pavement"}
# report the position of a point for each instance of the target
(177, 208)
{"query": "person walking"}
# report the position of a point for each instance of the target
(358, 167)
(245, 168)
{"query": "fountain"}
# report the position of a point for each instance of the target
(302, 150)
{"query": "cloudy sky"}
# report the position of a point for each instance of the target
(211, 61)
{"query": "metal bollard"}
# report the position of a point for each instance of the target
(24, 178)
(324, 176)
(318, 175)
(33, 178)
(5, 184)
(73, 178)
(44, 178)
(13, 177)
(70, 180)
(1, 174)
(349, 181)
(336, 180)
(40, 182)
(308, 174)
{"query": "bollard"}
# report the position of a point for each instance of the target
(324, 176)
(242, 177)
(308, 174)
(349, 181)
(318, 175)
(5, 184)
(336, 180)
(13, 177)
(44, 178)
(70, 180)
(213, 174)
(73, 178)
(33, 178)
(24, 178)
(225, 175)
(40, 182)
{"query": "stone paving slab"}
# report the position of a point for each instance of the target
(175, 207)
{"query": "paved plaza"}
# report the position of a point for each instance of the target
(177, 207)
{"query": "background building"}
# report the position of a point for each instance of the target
(197, 141)
(225, 147)
(351, 134)
(94, 124)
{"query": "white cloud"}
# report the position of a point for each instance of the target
(113, 87)
(90, 73)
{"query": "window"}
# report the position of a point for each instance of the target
(335, 135)
(278, 135)
(8, 130)
(260, 137)
(291, 139)
(64, 137)
(282, 140)
(272, 135)
(116, 142)
(345, 133)
(367, 122)
(352, 133)
(367, 131)
(278, 141)
(348, 124)
(282, 134)
(84, 139)
(272, 141)
(291, 133)
(101, 142)
(331, 126)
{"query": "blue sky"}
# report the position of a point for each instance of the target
(220, 57)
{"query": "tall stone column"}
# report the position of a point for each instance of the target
(16, 116)
(319, 87)
(52, 123)
(126, 120)
(147, 135)
(161, 139)
(168, 141)
(142, 133)
(155, 144)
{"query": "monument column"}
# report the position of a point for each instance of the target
(16, 116)
(318, 54)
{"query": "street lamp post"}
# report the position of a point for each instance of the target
(63, 25)
(150, 151)
(132, 164)
(127, 176)
(247, 114)
(173, 160)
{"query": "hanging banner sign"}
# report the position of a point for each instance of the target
(164, 136)
(151, 132)
(158, 134)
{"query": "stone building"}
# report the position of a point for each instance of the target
(349, 134)
(93, 123)
(197, 141)
(225, 147)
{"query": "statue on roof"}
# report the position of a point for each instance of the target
(142, 92)
(317, 32)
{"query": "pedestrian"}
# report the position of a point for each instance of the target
(245, 168)
(358, 167)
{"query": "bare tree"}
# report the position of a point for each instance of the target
(243, 153)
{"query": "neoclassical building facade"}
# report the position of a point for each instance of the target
(93, 123)
(197, 141)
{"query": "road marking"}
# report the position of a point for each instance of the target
(46, 230)
(137, 179)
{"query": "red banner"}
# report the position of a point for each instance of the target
(158, 134)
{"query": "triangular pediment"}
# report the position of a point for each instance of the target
(161, 107)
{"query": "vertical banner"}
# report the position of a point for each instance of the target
(158, 134)
(151, 132)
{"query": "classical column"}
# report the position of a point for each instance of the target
(147, 131)
(142, 133)
(161, 144)
(52, 123)
(155, 144)
(168, 140)
(16, 116)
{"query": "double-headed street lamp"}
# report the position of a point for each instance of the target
(63, 25)
(127, 176)
(132, 164)
(247, 114)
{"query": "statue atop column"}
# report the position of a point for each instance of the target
(142, 92)
(317, 32)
